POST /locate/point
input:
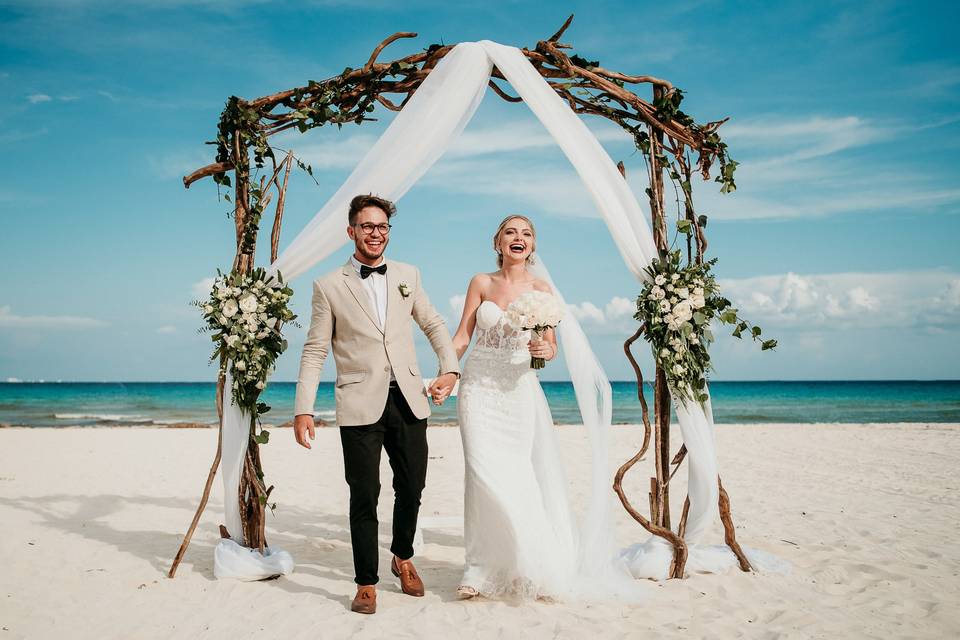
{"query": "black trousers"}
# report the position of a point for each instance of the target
(404, 436)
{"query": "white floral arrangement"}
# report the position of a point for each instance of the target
(677, 305)
(536, 311)
(245, 315)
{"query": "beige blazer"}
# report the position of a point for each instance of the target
(344, 318)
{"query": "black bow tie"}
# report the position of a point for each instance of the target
(365, 271)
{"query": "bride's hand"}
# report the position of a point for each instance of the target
(541, 349)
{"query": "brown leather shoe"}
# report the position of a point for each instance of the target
(410, 582)
(366, 599)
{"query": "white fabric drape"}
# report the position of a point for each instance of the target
(429, 123)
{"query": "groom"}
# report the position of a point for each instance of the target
(363, 310)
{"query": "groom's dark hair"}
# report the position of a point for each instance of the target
(370, 200)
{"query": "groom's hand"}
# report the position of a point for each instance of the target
(303, 425)
(442, 387)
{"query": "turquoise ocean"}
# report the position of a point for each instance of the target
(52, 404)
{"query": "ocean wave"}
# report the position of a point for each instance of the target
(103, 417)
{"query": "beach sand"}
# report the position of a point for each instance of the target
(91, 517)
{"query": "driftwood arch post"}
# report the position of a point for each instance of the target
(665, 135)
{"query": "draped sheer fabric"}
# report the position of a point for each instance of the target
(426, 127)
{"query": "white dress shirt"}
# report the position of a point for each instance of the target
(376, 286)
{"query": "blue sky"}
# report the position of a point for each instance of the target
(840, 241)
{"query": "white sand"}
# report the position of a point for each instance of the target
(92, 517)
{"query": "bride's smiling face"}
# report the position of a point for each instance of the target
(516, 241)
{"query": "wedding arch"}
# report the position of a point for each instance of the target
(436, 93)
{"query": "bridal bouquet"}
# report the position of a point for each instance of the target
(677, 305)
(536, 311)
(245, 314)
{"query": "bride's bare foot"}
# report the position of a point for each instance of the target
(465, 592)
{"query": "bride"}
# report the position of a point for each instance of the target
(519, 535)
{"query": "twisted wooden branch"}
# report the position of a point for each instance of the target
(679, 546)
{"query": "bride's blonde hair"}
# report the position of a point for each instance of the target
(503, 225)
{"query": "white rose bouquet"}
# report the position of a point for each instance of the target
(536, 311)
(677, 305)
(245, 315)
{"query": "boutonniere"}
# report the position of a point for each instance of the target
(404, 289)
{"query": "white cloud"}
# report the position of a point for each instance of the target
(807, 138)
(178, 164)
(620, 308)
(822, 302)
(519, 135)
(17, 135)
(587, 311)
(202, 288)
(10, 320)
(167, 329)
(554, 189)
(342, 151)
(456, 304)
(848, 300)
(37, 98)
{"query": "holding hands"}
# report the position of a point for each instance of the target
(441, 388)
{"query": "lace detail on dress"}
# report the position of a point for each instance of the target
(499, 356)
(501, 335)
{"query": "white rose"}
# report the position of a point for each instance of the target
(240, 365)
(664, 353)
(669, 287)
(263, 334)
(678, 369)
(222, 292)
(271, 321)
(664, 306)
(231, 340)
(698, 291)
(230, 308)
(208, 308)
(660, 279)
(222, 320)
(698, 302)
(683, 310)
(248, 303)
(236, 291)
(675, 277)
(673, 323)
(694, 340)
(683, 292)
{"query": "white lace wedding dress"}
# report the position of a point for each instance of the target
(520, 539)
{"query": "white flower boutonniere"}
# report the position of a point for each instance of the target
(404, 289)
